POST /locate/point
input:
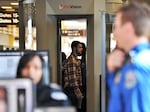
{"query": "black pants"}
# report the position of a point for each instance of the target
(71, 94)
(73, 98)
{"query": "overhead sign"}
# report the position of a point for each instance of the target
(65, 6)
(69, 7)
(9, 18)
(74, 33)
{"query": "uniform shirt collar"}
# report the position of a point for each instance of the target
(135, 50)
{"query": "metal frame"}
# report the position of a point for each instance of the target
(59, 19)
(21, 26)
(103, 63)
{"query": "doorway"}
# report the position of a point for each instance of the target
(70, 28)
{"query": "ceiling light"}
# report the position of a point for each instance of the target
(6, 7)
(14, 3)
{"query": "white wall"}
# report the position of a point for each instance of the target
(47, 35)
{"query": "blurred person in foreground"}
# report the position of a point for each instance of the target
(31, 65)
(129, 78)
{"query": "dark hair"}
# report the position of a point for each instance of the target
(84, 48)
(25, 59)
(74, 44)
(63, 56)
(139, 15)
(83, 53)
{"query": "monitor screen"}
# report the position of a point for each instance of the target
(9, 62)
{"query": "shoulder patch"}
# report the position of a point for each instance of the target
(130, 79)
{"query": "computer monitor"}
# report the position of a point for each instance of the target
(16, 95)
(9, 62)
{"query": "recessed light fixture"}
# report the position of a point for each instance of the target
(6, 7)
(14, 3)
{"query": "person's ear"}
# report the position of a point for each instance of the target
(74, 49)
(129, 28)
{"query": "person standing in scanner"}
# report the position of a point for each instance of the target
(128, 78)
(73, 76)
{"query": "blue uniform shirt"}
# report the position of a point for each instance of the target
(130, 87)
